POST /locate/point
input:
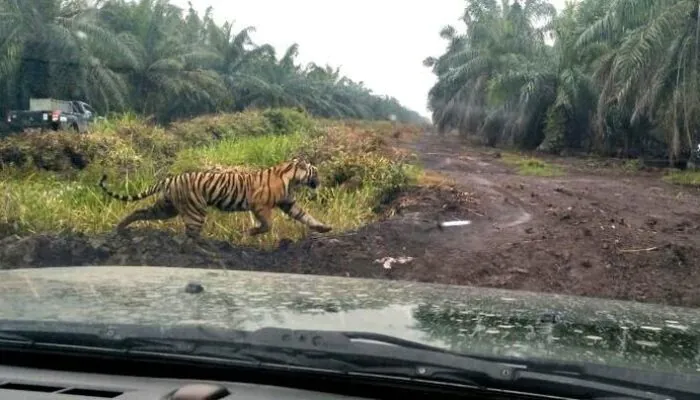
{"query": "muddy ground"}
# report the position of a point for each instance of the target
(595, 231)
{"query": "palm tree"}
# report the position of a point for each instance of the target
(172, 76)
(51, 48)
(621, 75)
(480, 69)
(650, 73)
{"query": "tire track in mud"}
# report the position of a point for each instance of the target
(436, 157)
(583, 234)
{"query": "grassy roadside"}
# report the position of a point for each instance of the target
(683, 178)
(532, 166)
(49, 180)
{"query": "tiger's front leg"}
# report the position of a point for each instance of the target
(262, 215)
(294, 211)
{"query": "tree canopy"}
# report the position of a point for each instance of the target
(154, 58)
(611, 76)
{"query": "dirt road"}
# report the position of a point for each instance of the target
(592, 232)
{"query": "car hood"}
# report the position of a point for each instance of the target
(460, 318)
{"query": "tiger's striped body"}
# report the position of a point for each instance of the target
(191, 193)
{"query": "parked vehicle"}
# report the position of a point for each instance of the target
(52, 114)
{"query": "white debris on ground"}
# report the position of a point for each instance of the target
(387, 261)
(448, 224)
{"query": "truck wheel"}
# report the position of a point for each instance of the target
(75, 128)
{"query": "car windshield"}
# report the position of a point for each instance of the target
(500, 178)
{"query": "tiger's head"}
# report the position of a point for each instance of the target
(304, 173)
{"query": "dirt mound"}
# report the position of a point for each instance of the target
(437, 200)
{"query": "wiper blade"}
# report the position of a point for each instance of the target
(349, 353)
(382, 355)
(124, 340)
(176, 342)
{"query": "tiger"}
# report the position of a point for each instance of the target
(230, 190)
(227, 168)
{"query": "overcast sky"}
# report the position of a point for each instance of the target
(380, 42)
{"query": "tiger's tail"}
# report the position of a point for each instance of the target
(150, 191)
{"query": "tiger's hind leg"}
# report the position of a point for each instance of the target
(161, 210)
(191, 207)
(294, 211)
(262, 215)
(194, 222)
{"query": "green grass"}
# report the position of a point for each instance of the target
(532, 166)
(683, 178)
(257, 151)
(43, 204)
(632, 166)
(39, 201)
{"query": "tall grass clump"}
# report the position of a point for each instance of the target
(357, 174)
(255, 151)
(683, 178)
(532, 166)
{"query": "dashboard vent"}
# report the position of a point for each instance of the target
(84, 392)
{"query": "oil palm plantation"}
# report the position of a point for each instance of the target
(159, 60)
(618, 76)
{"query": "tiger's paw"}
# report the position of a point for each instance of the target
(322, 228)
(256, 231)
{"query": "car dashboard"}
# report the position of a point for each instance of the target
(19, 383)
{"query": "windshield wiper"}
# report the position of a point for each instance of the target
(377, 355)
(359, 354)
